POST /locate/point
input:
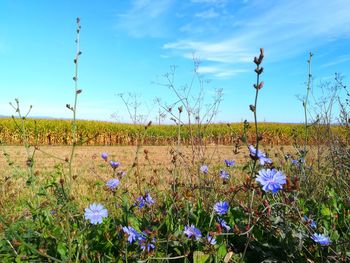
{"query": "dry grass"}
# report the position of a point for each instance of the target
(87, 157)
(91, 172)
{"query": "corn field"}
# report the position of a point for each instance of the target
(58, 132)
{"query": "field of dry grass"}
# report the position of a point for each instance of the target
(87, 158)
(91, 172)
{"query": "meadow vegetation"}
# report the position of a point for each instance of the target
(192, 200)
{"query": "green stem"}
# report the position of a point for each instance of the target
(305, 102)
(74, 142)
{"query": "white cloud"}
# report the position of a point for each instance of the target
(145, 18)
(211, 2)
(225, 52)
(338, 60)
(220, 71)
(210, 13)
(283, 28)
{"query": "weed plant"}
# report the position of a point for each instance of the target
(289, 210)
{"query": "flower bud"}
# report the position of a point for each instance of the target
(261, 84)
(256, 61)
(259, 70)
(261, 56)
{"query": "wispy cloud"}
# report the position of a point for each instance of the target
(284, 28)
(230, 51)
(210, 13)
(338, 60)
(220, 71)
(211, 2)
(145, 18)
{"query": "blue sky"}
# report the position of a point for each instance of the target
(127, 46)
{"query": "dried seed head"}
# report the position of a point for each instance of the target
(259, 70)
(256, 61)
(261, 56)
(261, 84)
(261, 51)
(252, 108)
(180, 109)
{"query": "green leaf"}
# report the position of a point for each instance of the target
(222, 251)
(200, 257)
(134, 222)
(62, 250)
(325, 211)
(99, 183)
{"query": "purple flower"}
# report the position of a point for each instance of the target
(114, 164)
(223, 224)
(260, 155)
(95, 213)
(192, 231)
(141, 201)
(121, 173)
(204, 169)
(298, 162)
(145, 200)
(311, 222)
(112, 184)
(104, 156)
(295, 162)
(229, 163)
(221, 207)
(271, 180)
(146, 244)
(133, 235)
(149, 199)
(211, 240)
(224, 174)
(321, 239)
